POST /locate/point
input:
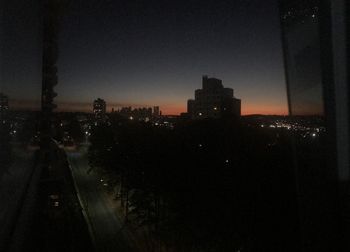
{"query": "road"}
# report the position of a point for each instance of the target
(105, 225)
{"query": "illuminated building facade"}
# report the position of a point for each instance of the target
(213, 101)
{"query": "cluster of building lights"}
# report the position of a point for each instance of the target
(296, 127)
(165, 124)
(300, 14)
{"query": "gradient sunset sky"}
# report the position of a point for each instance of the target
(147, 53)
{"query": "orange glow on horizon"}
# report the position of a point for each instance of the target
(246, 110)
(264, 110)
(173, 109)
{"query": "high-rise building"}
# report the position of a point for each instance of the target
(213, 100)
(4, 106)
(4, 103)
(156, 111)
(301, 44)
(99, 109)
(314, 39)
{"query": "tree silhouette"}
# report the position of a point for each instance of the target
(201, 186)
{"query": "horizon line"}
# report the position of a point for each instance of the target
(90, 112)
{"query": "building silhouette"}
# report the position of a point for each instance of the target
(314, 37)
(140, 114)
(213, 100)
(4, 103)
(156, 111)
(4, 107)
(99, 109)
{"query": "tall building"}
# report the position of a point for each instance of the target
(99, 109)
(213, 100)
(314, 39)
(4, 103)
(4, 106)
(302, 49)
(156, 111)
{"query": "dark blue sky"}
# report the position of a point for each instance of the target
(155, 52)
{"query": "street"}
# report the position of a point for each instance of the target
(106, 227)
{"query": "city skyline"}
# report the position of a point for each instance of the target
(139, 55)
(87, 107)
(187, 125)
(81, 106)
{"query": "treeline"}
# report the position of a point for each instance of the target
(213, 185)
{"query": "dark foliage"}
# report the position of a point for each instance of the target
(210, 185)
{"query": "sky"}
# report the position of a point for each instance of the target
(149, 53)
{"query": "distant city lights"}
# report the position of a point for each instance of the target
(305, 128)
